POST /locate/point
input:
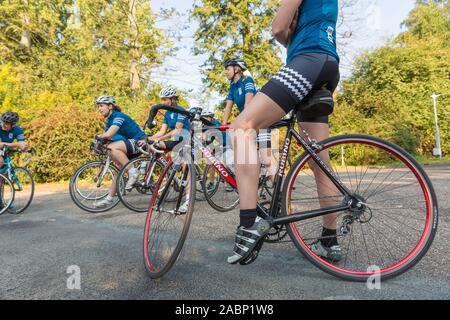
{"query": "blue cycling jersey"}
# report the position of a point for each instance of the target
(238, 90)
(316, 29)
(172, 118)
(16, 133)
(128, 129)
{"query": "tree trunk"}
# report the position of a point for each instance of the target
(135, 83)
(25, 40)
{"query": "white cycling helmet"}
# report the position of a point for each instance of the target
(106, 100)
(208, 114)
(169, 92)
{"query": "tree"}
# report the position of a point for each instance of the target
(233, 28)
(389, 91)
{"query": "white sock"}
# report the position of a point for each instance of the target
(109, 198)
(132, 171)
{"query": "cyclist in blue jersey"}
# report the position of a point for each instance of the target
(175, 127)
(307, 28)
(124, 133)
(241, 92)
(9, 132)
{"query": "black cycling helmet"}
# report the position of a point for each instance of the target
(236, 62)
(10, 117)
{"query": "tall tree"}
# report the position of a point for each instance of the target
(239, 28)
(399, 79)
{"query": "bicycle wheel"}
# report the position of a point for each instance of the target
(90, 184)
(219, 194)
(389, 233)
(23, 183)
(137, 198)
(199, 193)
(7, 193)
(166, 227)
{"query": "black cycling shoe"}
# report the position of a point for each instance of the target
(248, 241)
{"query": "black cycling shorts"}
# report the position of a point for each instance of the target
(306, 72)
(132, 151)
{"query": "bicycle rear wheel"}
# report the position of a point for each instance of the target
(392, 230)
(219, 194)
(90, 184)
(23, 183)
(138, 197)
(166, 226)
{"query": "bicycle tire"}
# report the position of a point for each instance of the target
(74, 190)
(14, 209)
(158, 261)
(407, 260)
(145, 191)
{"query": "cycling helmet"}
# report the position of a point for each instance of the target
(10, 117)
(105, 100)
(236, 62)
(208, 114)
(169, 92)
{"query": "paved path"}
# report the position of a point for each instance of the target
(38, 247)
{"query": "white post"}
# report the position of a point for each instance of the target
(436, 151)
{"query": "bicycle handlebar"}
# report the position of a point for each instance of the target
(152, 147)
(191, 114)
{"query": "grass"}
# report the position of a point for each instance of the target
(427, 160)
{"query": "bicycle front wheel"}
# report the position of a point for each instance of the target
(388, 234)
(90, 184)
(23, 183)
(169, 218)
(7, 193)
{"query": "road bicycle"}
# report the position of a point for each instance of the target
(21, 179)
(380, 199)
(90, 183)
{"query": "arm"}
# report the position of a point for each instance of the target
(110, 133)
(178, 127)
(227, 111)
(22, 145)
(285, 21)
(160, 134)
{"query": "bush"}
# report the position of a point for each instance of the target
(61, 139)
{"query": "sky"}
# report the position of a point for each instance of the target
(383, 22)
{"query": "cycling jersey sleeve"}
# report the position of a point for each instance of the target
(249, 86)
(181, 119)
(20, 135)
(118, 121)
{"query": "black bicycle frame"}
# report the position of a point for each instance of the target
(227, 175)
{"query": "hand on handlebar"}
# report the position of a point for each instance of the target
(22, 145)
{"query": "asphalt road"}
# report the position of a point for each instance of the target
(39, 246)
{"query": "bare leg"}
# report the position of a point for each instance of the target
(327, 191)
(261, 113)
(119, 156)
